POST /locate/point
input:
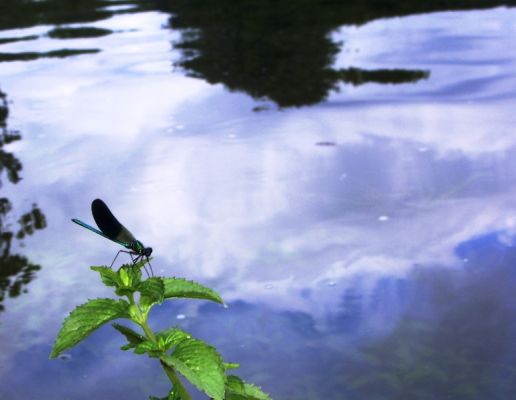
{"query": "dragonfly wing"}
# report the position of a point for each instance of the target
(109, 225)
(91, 228)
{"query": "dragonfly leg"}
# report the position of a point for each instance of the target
(150, 266)
(122, 251)
(114, 259)
(146, 271)
(138, 258)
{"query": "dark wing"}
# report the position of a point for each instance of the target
(91, 228)
(109, 225)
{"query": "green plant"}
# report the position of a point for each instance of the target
(176, 350)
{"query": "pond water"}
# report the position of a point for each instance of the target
(343, 175)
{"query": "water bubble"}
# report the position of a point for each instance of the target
(180, 316)
(383, 218)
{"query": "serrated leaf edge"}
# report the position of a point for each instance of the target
(56, 349)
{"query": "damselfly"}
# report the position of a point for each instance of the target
(113, 230)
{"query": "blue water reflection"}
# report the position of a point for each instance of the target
(364, 244)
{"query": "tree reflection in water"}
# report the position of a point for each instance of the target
(16, 271)
(283, 50)
(16, 14)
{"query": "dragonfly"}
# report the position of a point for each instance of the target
(112, 229)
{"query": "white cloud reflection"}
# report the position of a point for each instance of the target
(247, 200)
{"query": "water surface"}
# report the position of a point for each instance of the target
(344, 177)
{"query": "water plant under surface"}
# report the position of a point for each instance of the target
(176, 350)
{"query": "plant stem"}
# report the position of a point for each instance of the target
(176, 383)
(143, 323)
(148, 332)
(171, 373)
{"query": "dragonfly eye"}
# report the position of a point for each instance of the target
(147, 251)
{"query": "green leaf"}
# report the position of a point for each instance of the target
(85, 319)
(153, 288)
(134, 274)
(171, 396)
(108, 276)
(134, 338)
(124, 291)
(152, 291)
(201, 364)
(179, 287)
(230, 365)
(174, 395)
(124, 277)
(148, 347)
(140, 264)
(135, 314)
(172, 337)
(237, 389)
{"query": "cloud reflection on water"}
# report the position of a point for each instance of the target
(326, 254)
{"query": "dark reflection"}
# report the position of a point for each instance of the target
(356, 76)
(18, 39)
(26, 13)
(8, 162)
(32, 55)
(282, 50)
(15, 14)
(16, 271)
(82, 32)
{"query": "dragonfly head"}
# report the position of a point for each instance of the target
(139, 248)
(147, 251)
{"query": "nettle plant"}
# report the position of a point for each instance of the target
(176, 350)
